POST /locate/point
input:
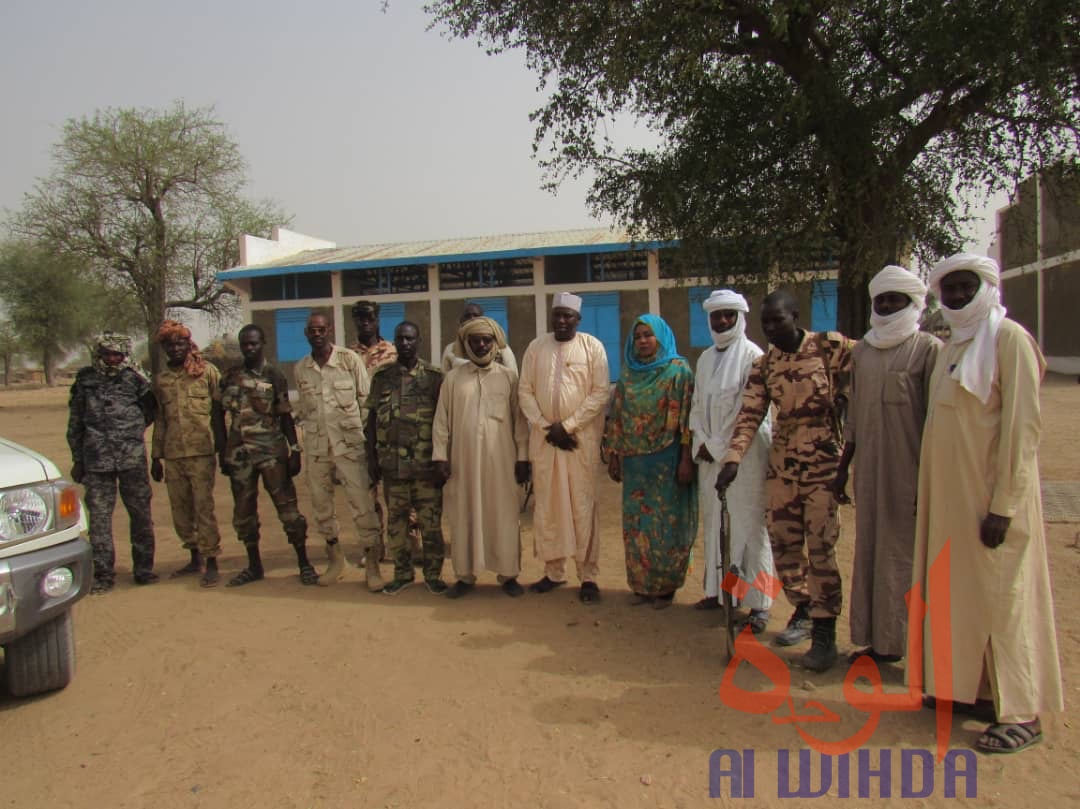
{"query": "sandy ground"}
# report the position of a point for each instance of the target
(277, 695)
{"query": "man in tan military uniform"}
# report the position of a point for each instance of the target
(333, 385)
(188, 431)
(807, 376)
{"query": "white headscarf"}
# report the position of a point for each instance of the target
(978, 322)
(724, 299)
(727, 371)
(887, 331)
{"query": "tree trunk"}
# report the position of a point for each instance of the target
(47, 363)
(853, 304)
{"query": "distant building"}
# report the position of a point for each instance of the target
(1039, 246)
(282, 280)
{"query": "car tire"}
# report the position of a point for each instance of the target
(43, 660)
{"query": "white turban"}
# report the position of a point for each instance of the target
(567, 300)
(977, 323)
(725, 299)
(887, 331)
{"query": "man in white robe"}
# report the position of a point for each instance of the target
(720, 377)
(890, 383)
(453, 355)
(979, 496)
(481, 453)
(563, 389)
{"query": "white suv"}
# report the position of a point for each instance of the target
(45, 567)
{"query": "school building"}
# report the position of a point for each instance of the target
(284, 279)
(1039, 246)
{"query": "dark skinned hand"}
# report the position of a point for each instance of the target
(685, 472)
(727, 474)
(614, 468)
(703, 454)
(558, 436)
(77, 472)
(993, 529)
(294, 464)
(441, 472)
(223, 465)
(522, 472)
(156, 470)
(838, 487)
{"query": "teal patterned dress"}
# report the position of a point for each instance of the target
(649, 425)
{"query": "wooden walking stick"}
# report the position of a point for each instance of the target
(725, 565)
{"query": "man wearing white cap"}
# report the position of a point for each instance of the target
(979, 498)
(720, 377)
(890, 382)
(563, 389)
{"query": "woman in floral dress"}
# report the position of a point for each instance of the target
(648, 446)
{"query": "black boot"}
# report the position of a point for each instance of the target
(822, 654)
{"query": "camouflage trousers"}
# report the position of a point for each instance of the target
(803, 529)
(134, 487)
(190, 483)
(244, 479)
(415, 534)
(403, 496)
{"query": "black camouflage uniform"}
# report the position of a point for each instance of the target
(402, 403)
(256, 447)
(109, 411)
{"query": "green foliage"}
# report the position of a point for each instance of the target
(53, 303)
(9, 348)
(794, 132)
(151, 200)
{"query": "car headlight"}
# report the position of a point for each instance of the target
(30, 511)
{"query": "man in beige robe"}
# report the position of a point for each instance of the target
(890, 381)
(563, 389)
(979, 494)
(481, 446)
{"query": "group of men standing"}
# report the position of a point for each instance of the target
(943, 440)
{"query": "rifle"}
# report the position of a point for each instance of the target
(723, 566)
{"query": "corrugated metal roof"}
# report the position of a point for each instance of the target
(512, 245)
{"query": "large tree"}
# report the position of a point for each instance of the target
(52, 303)
(152, 200)
(796, 133)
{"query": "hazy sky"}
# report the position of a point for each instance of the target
(364, 125)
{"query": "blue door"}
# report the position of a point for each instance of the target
(823, 306)
(289, 328)
(390, 314)
(700, 333)
(600, 318)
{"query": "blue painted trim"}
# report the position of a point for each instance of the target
(617, 247)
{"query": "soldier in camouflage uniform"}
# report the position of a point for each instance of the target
(110, 407)
(807, 376)
(261, 443)
(188, 432)
(401, 410)
(377, 352)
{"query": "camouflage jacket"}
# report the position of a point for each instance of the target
(255, 401)
(402, 403)
(182, 428)
(107, 417)
(376, 356)
(810, 388)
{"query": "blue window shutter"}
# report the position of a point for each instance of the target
(700, 334)
(390, 314)
(823, 306)
(289, 328)
(600, 318)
